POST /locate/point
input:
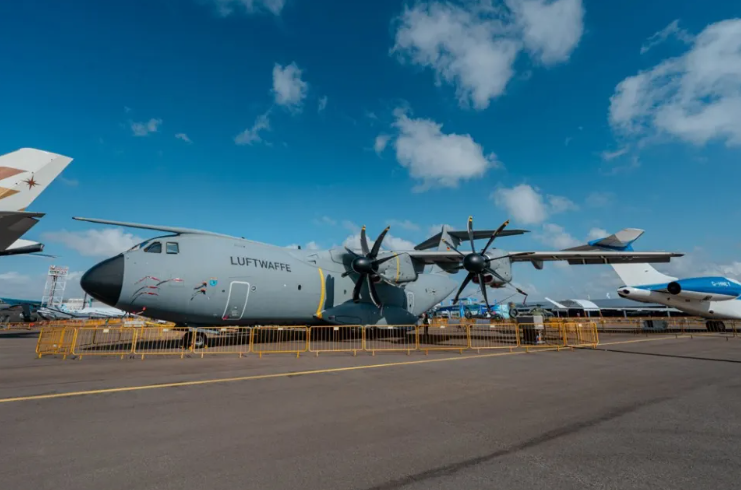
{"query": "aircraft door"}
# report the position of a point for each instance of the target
(236, 302)
(410, 302)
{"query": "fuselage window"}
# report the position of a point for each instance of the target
(172, 248)
(154, 248)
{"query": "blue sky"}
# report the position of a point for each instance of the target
(293, 122)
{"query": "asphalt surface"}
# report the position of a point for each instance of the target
(656, 414)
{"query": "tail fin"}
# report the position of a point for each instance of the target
(640, 274)
(444, 236)
(25, 173)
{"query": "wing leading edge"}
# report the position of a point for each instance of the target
(167, 229)
(572, 257)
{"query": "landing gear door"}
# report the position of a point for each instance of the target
(236, 302)
(410, 302)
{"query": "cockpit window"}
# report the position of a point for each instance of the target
(172, 248)
(154, 248)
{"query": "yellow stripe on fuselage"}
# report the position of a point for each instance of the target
(398, 269)
(320, 307)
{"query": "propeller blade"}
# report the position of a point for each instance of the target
(363, 241)
(385, 259)
(347, 273)
(496, 274)
(483, 291)
(494, 235)
(453, 248)
(470, 233)
(351, 252)
(377, 245)
(372, 290)
(356, 290)
(463, 286)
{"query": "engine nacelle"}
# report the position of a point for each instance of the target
(705, 289)
(636, 294)
(399, 270)
(489, 280)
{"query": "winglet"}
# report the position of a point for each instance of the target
(622, 241)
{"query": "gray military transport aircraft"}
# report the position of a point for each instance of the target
(199, 278)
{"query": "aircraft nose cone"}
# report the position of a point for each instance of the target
(104, 281)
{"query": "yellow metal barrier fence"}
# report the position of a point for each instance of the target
(122, 341)
(494, 336)
(340, 338)
(56, 341)
(391, 338)
(280, 340)
(443, 337)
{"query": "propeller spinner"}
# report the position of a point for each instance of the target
(366, 266)
(478, 264)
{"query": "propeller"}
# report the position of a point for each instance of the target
(478, 263)
(366, 266)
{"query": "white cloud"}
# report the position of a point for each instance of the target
(183, 137)
(145, 128)
(322, 104)
(24, 286)
(526, 205)
(13, 276)
(551, 30)
(435, 158)
(350, 226)
(95, 243)
(556, 236)
(326, 220)
(252, 135)
(288, 88)
(380, 144)
(599, 199)
(597, 233)
(672, 29)
(390, 242)
(560, 204)
(475, 47)
(695, 97)
(406, 224)
(611, 155)
(227, 7)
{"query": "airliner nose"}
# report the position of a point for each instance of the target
(104, 281)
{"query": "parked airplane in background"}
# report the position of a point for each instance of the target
(24, 174)
(81, 309)
(708, 297)
(199, 278)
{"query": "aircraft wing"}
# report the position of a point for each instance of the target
(596, 257)
(13, 224)
(572, 257)
(168, 229)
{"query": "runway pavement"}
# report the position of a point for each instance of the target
(649, 414)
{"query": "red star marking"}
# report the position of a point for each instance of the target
(31, 182)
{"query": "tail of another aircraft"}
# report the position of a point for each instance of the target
(630, 273)
(25, 173)
(640, 274)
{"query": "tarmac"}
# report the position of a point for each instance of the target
(636, 412)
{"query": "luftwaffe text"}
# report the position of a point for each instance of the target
(265, 264)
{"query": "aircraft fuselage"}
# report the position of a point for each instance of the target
(209, 280)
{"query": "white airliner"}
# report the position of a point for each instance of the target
(24, 174)
(711, 297)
